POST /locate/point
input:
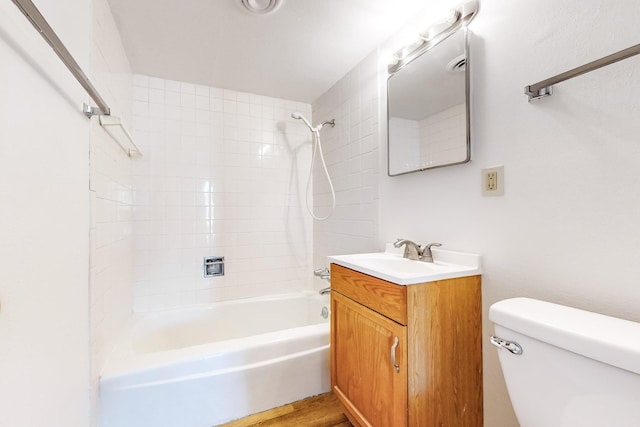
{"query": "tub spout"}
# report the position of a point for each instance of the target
(325, 291)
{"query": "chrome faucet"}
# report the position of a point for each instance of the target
(413, 251)
(325, 274)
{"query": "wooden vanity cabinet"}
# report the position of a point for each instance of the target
(432, 376)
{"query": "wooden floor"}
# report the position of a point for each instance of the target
(323, 410)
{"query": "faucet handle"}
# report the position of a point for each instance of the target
(427, 256)
(428, 246)
(411, 249)
(323, 273)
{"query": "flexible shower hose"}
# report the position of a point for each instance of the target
(317, 146)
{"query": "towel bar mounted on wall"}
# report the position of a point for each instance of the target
(113, 125)
(31, 12)
(544, 88)
(115, 128)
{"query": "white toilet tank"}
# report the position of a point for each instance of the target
(576, 369)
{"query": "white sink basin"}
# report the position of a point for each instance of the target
(391, 266)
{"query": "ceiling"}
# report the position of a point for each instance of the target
(297, 53)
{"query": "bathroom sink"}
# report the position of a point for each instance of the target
(391, 266)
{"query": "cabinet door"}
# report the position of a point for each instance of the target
(363, 376)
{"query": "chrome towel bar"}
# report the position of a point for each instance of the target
(113, 125)
(544, 87)
(34, 16)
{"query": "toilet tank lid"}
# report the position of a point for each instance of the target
(608, 339)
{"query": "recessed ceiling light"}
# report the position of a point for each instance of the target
(261, 7)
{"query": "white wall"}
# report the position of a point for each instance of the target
(44, 222)
(224, 175)
(566, 229)
(66, 272)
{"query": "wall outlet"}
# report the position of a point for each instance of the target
(493, 181)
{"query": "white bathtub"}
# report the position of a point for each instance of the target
(204, 366)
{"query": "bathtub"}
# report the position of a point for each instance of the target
(203, 366)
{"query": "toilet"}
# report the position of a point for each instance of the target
(566, 367)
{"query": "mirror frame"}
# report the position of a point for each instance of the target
(410, 57)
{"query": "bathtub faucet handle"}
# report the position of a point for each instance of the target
(322, 273)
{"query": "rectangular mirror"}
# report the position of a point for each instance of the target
(428, 108)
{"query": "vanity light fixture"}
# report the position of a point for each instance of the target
(437, 29)
(261, 7)
(457, 17)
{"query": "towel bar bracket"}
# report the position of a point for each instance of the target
(90, 111)
(538, 94)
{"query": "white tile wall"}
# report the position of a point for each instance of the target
(443, 137)
(351, 151)
(224, 175)
(434, 140)
(405, 156)
(111, 190)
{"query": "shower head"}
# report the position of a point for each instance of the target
(299, 116)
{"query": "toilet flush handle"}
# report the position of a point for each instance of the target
(513, 347)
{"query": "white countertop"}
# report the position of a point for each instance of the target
(392, 267)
